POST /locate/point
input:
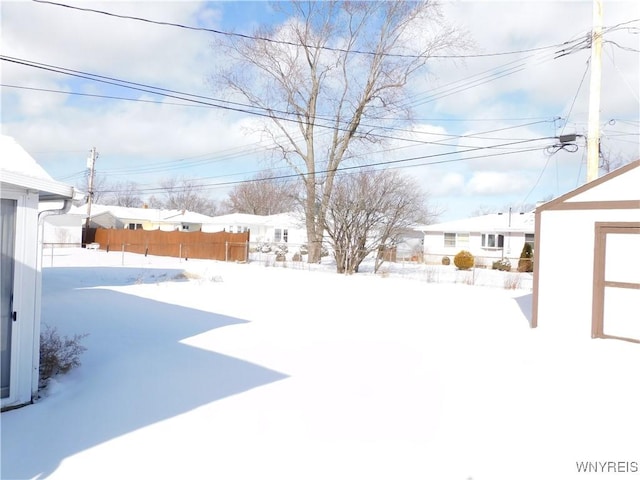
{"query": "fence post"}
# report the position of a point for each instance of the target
(180, 252)
(122, 253)
(226, 250)
(246, 252)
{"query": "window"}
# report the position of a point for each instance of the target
(134, 226)
(449, 239)
(456, 239)
(492, 240)
(529, 238)
(185, 227)
(281, 235)
(462, 239)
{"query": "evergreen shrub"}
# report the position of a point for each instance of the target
(463, 260)
(525, 264)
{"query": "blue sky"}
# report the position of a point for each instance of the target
(491, 102)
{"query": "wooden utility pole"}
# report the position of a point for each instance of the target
(593, 133)
(91, 166)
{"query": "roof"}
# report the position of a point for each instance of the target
(145, 214)
(19, 168)
(185, 216)
(620, 185)
(493, 222)
(240, 219)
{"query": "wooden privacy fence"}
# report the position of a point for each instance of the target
(214, 246)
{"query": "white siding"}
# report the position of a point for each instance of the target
(565, 283)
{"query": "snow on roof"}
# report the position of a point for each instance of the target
(20, 169)
(15, 159)
(145, 214)
(186, 216)
(493, 222)
(240, 219)
(247, 219)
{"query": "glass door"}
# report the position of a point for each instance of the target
(8, 210)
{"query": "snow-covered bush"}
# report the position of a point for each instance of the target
(503, 265)
(463, 260)
(446, 260)
(58, 354)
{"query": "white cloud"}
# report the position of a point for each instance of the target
(495, 183)
(469, 100)
(450, 183)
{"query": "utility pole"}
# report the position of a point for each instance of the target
(593, 134)
(91, 167)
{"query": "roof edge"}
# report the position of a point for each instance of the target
(51, 188)
(588, 186)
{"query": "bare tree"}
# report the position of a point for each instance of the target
(264, 195)
(331, 67)
(184, 194)
(124, 194)
(609, 161)
(100, 187)
(368, 212)
(513, 207)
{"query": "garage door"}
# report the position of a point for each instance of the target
(616, 294)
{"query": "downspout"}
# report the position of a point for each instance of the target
(66, 206)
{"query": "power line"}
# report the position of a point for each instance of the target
(158, 102)
(384, 163)
(93, 95)
(197, 98)
(284, 42)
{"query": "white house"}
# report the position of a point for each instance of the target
(28, 194)
(111, 216)
(67, 228)
(587, 267)
(487, 237)
(279, 228)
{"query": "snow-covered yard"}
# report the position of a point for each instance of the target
(200, 369)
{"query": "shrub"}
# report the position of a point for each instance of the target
(525, 264)
(58, 354)
(503, 265)
(512, 281)
(463, 260)
(446, 260)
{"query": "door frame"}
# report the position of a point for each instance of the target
(24, 345)
(602, 229)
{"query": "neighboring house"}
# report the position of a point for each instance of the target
(487, 237)
(28, 195)
(69, 226)
(280, 228)
(109, 216)
(587, 267)
(410, 245)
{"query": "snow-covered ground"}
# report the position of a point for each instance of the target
(200, 369)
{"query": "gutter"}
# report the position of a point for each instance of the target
(66, 206)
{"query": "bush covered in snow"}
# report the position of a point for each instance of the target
(58, 354)
(503, 265)
(463, 260)
(446, 260)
